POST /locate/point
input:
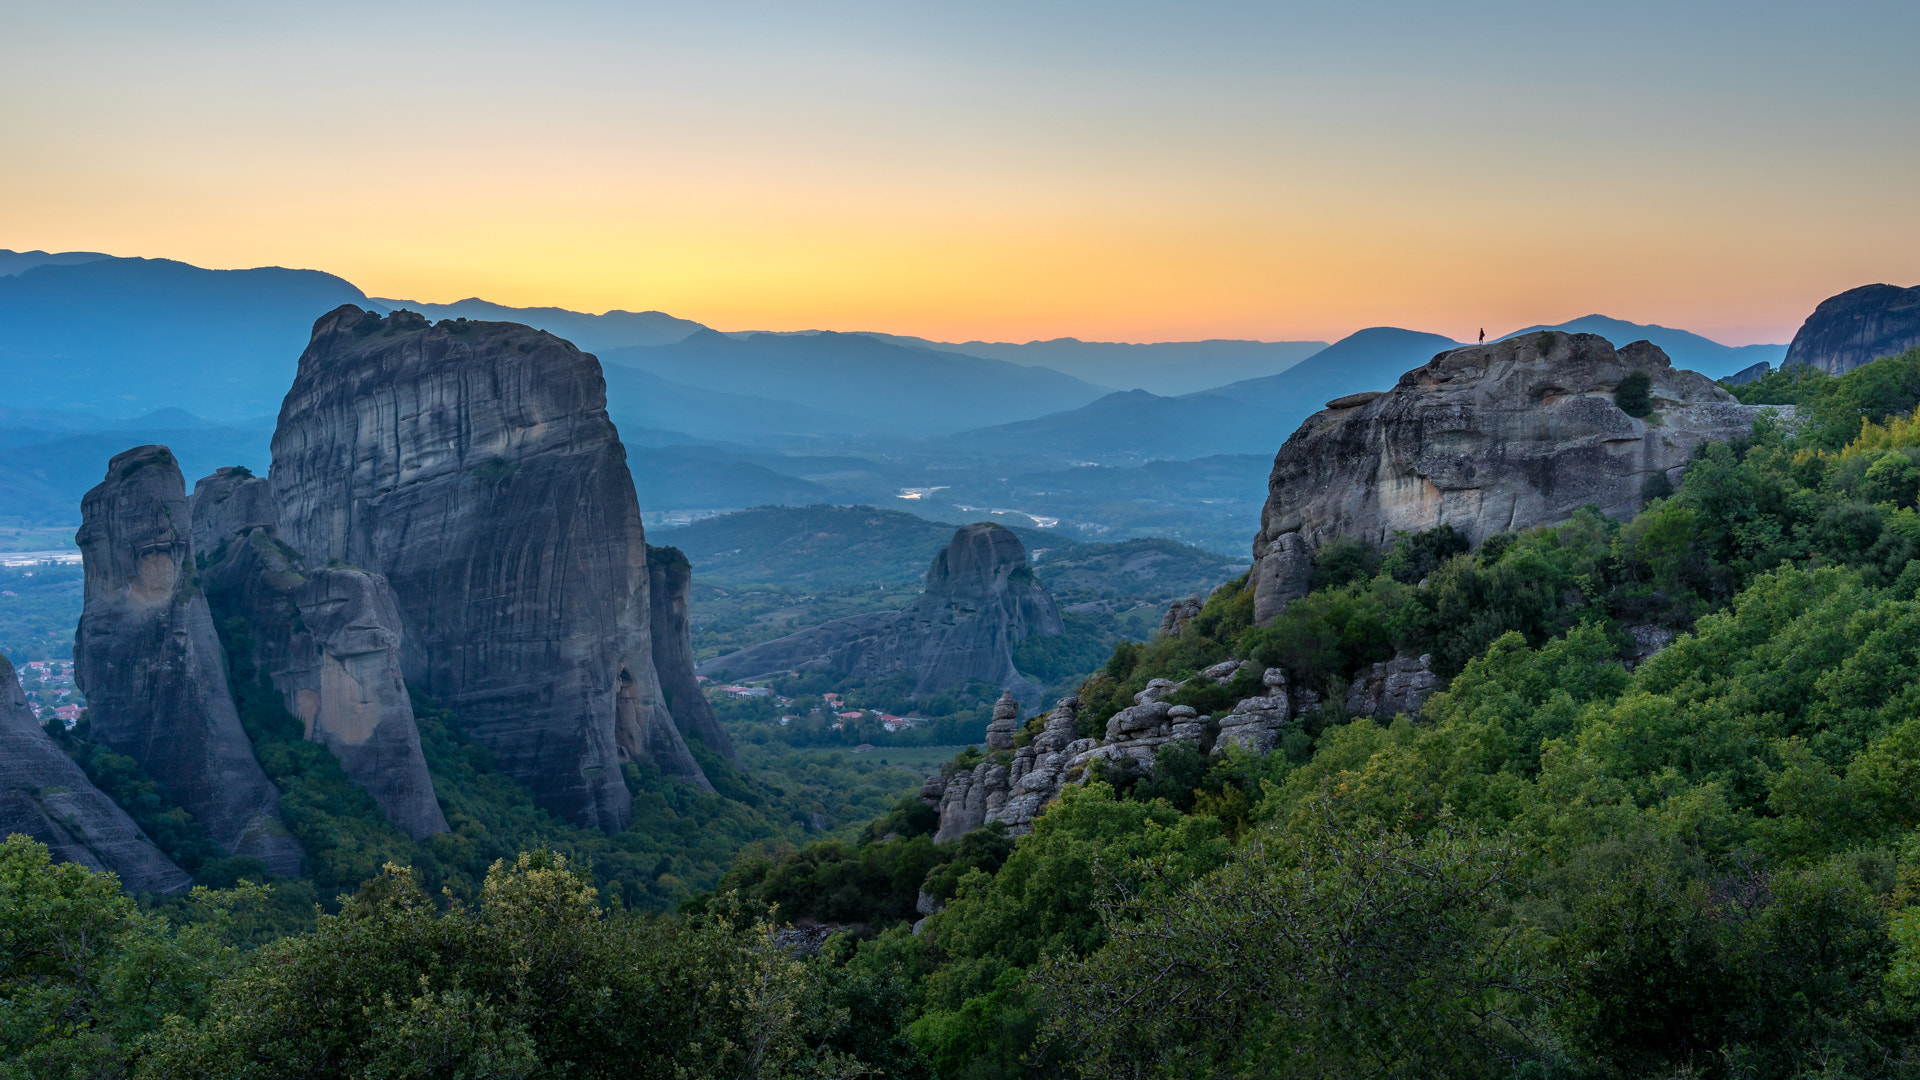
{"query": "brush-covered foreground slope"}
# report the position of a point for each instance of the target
(1701, 865)
(1588, 856)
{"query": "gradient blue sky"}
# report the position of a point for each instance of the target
(1008, 171)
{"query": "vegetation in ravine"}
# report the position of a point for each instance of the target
(1581, 859)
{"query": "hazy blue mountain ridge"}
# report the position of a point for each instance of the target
(590, 333)
(1166, 368)
(1253, 416)
(893, 389)
(1686, 349)
(123, 337)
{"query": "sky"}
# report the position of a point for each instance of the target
(1004, 171)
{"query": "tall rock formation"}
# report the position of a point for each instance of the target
(668, 588)
(43, 794)
(1857, 327)
(473, 466)
(1488, 438)
(328, 638)
(152, 670)
(981, 601)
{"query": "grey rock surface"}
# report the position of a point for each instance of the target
(327, 638)
(1004, 725)
(473, 466)
(1180, 613)
(1040, 769)
(1392, 687)
(151, 668)
(44, 795)
(1282, 573)
(1487, 438)
(1857, 327)
(980, 602)
(1256, 723)
(669, 589)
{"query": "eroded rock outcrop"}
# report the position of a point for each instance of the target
(980, 602)
(1256, 723)
(473, 466)
(1392, 687)
(151, 667)
(329, 640)
(1489, 438)
(1857, 327)
(43, 794)
(669, 588)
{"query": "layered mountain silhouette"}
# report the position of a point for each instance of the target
(890, 388)
(1687, 350)
(1248, 417)
(1168, 368)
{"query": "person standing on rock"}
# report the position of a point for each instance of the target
(1483, 335)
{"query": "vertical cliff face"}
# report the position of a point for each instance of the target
(151, 668)
(329, 639)
(981, 601)
(669, 586)
(1491, 438)
(43, 794)
(473, 466)
(1857, 327)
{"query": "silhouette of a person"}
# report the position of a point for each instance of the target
(1483, 335)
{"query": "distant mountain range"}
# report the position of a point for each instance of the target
(1687, 350)
(1253, 416)
(892, 389)
(99, 353)
(1168, 368)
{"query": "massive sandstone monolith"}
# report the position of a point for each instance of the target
(151, 668)
(328, 638)
(981, 601)
(43, 794)
(669, 590)
(1489, 438)
(1857, 327)
(473, 466)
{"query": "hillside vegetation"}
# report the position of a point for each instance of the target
(1577, 861)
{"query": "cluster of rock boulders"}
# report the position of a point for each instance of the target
(1015, 783)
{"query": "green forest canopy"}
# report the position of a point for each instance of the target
(1702, 864)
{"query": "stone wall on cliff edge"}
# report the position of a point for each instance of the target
(473, 466)
(1487, 438)
(151, 667)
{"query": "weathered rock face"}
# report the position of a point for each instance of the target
(980, 602)
(151, 668)
(1180, 613)
(669, 586)
(1392, 687)
(1004, 725)
(43, 794)
(1857, 327)
(1256, 723)
(328, 638)
(473, 466)
(1488, 438)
